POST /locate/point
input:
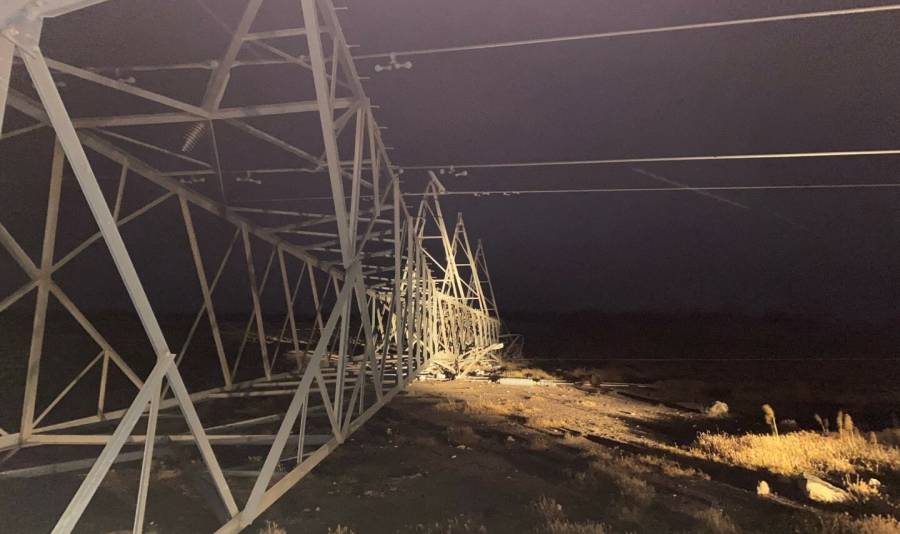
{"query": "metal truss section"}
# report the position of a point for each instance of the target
(368, 294)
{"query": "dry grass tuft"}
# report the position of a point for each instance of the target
(547, 422)
(496, 406)
(520, 370)
(567, 527)
(715, 521)
(799, 452)
(871, 524)
(823, 423)
(548, 510)
(862, 490)
(671, 468)
(597, 376)
(633, 489)
(619, 466)
(272, 528)
(554, 520)
(460, 524)
(769, 415)
(463, 435)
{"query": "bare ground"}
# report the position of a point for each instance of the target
(461, 456)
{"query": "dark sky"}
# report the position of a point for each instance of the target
(783, 87)
(826, 84)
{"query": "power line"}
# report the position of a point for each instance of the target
(700, 192)
(512, 192)
(505, 192)
(642, 31)
(716, 197)
(736, 359)
(663, 159)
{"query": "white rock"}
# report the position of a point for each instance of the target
(762, 488)
(819, 490)
(717, 409)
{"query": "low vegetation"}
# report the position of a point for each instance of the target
(517, 369)
(715, 521)
(272, 527)
(463, 435)
(800, 452)
(460, 524)
(553, 520)
(872, 524)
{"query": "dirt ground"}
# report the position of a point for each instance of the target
(462, 456)
(481, 457)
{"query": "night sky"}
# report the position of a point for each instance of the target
(782, 87)
(818, 85)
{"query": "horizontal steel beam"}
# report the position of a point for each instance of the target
(137, 439)
(222, 114)
(109, 150)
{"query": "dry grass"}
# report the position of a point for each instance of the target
(496, 406)
(548, 509)
(799, 452)
(567, 527)
(272, 528)
(553, 520)
(462, 435)
(862, 490)
(547, 422)
(634, 490)
(671, 468)
(642, 464)
(715, 521)
(599, 376)
(520, 370)
(460, 524)
(872, 524)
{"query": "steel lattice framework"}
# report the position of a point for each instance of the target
(383, 314)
